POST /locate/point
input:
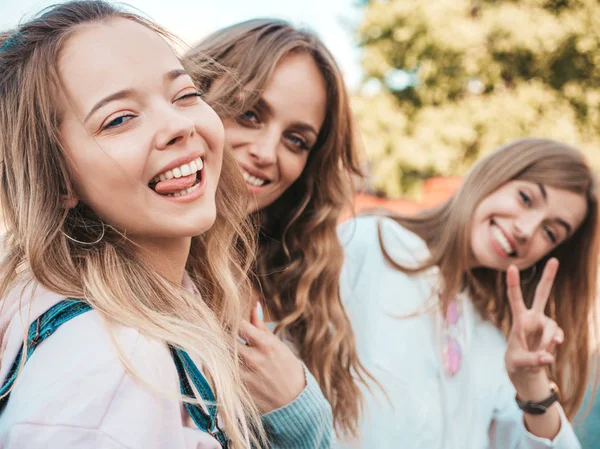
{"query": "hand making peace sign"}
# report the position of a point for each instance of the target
(533, 336)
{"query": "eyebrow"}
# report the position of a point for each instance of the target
(560, 221)
(264, 105)
(543, 192)
(126, 93)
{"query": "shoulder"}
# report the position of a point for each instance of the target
(363, 236)
(96, 362)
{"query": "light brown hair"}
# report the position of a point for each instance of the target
(43, 233)
(447, 228)
(299, 256)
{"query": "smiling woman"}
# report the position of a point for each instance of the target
(289, 125)
(119, 234)
(493, 361)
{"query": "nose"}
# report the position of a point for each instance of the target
(173, 127)
(526, 225)
(263, 149)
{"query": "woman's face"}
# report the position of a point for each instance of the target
(521, 222)
(271, 141)
(144, 150)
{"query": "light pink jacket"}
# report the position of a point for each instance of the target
(74, 392)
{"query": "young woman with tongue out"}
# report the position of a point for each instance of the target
(119, 237)
(288, 123)
(477, 335)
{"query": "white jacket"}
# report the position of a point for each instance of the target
(476, 408)
(75, 393)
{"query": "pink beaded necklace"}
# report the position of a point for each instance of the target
(451, 349)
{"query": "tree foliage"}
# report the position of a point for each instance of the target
(460, 77)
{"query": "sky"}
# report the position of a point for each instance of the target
(191, 20)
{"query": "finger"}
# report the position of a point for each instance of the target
(526, 359)
(247, 355)
(558, 338)
(548, 335)
(253, 335)
(515, 296)
(256, 318)
(544, 288)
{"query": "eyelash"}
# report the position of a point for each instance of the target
(300, 143)
(193, 94)
(525, 198)
(112, 125)
(550, 235)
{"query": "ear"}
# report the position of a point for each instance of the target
(69, 201)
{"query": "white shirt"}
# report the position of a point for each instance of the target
(474, 409)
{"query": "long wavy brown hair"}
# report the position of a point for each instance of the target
(46, 239)
(446, 230)
(299, 257)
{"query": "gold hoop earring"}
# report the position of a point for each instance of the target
(98, 240)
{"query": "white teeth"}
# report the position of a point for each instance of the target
(186, 191)
(253, 180)
(183, 170)
(501, 239)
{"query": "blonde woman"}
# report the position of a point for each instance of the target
(288, 123)
(118, 235)
(471, 353)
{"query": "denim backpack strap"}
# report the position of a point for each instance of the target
(206, 420)
(39, 330)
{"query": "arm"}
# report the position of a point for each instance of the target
(305, 423)
(510, 431)
(531, 343)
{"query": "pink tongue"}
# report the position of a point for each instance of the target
(175, 184)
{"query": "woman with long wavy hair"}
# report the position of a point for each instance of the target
(108, 269)
(479, 338)
(288, 123)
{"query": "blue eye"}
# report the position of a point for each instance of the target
(249, 116)
(297, 142)
(118, 121)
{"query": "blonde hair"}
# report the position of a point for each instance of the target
(43, 234)
(300, 257)
(446, 230)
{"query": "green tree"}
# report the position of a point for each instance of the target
(459, 77)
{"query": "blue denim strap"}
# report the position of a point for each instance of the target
(39, 330)
(207, 421)
(68, 309)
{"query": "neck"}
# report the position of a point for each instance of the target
(167, 256)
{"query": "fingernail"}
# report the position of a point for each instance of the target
(546, 358)
(259, 311)
(558, 339)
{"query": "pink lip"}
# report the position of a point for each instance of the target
(254, 172)
(178, 162)
(495, 244)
